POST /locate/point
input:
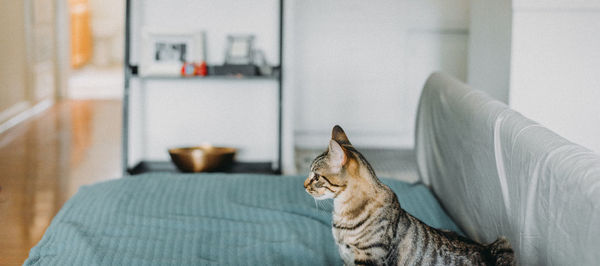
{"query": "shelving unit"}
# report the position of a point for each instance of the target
(143, 165)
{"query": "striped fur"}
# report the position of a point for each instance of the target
(371, 228)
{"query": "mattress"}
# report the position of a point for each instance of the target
(204, 219)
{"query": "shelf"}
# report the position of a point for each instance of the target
(274, 76)
(169, 167)
(271, 77)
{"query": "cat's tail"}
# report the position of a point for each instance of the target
(502, 251)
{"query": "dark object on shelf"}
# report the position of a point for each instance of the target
(234, 70)
(235, 167)
(202, 158)
(261, 61)
(133, 69)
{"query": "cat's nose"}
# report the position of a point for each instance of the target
(306, 182)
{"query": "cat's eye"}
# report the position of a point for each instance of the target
(316, 177)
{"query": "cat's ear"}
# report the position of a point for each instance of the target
(337, 156)
(338, 134)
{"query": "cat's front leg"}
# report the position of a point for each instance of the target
(346, 253)
(361, 256)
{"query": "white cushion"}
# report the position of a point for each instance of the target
(499, 173)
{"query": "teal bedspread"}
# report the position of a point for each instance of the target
(200, 219)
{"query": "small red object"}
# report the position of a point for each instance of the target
(202, 69)
(188, 69)
(194, 69)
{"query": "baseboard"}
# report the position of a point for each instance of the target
(13, 111)
(21, 112)
(392, 140)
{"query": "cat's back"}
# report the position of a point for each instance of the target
(424, 245)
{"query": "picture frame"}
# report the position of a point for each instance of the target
(164, 52)
(240, 49)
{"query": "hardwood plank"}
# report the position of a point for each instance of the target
(43, 162)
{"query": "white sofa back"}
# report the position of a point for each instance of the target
(499, 173)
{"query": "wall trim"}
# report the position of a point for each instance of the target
(23, 114)
(13, 111)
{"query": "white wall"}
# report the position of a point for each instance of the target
(556, 67)
(236, 113)
(27, 72)
(362, 64)
(543, 58)
(490, 47)
(355, 63)
(217, 19)
(13, 74)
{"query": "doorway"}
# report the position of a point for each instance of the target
(96, 53)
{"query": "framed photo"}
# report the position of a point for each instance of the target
(240, 50)
(165, 52)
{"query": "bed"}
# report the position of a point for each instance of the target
(492, 170)
(204, 219)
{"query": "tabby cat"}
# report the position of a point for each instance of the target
(370, 227)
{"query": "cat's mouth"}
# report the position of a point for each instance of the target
(312, 193)
(318, 196)
(309, 192)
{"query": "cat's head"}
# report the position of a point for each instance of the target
(330, 172)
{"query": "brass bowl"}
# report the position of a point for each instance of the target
(202, 158)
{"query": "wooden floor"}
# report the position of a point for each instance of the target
(45, 160)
